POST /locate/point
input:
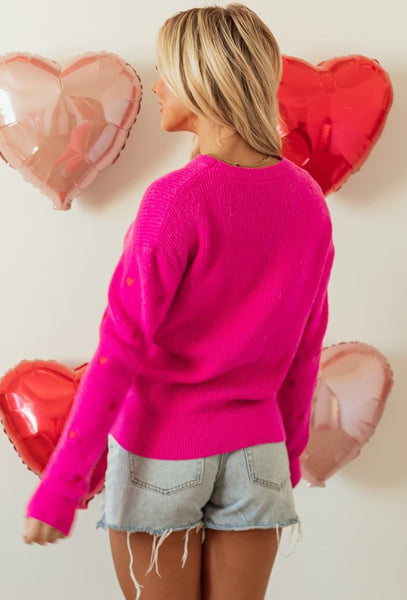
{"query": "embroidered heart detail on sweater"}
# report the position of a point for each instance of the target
(354, 381)
(35, 401)
(331, 115)
(60, 126)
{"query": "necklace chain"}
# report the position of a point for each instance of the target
(235, 164)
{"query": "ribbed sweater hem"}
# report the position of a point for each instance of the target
(185, 436)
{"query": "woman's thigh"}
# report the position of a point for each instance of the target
(229, 564)
(237, 564)
(251, 502)
(132, 554)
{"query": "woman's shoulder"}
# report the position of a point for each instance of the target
(301, 177)
(164, 206)
(178, 179)
(308, 188)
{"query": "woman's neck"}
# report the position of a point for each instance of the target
(227, 145)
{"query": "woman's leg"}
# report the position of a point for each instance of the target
(237, 564)
(175, 583)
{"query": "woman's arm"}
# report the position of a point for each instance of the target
(140, 292)
(295, 394)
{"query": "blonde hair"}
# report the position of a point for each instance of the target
(224, 64)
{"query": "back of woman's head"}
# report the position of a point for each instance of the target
(224, 64)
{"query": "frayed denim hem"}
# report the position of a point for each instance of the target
(276, 526)
(160, 535)
(232, 527)
(101, 524)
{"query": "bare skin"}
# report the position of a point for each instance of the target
(40, 533)
(222, 141)
(229, 564)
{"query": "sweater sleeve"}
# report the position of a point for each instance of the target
(296, 392)
(140, 293)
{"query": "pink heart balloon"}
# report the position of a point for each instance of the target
(60, 126)
(354, 381)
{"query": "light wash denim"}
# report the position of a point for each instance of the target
(246, 489)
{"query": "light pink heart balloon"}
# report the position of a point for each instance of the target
(60, 126)
(354, 381)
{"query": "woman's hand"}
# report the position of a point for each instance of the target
(40, 533)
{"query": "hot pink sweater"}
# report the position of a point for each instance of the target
(213, 331)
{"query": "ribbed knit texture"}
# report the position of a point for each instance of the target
(213, 331)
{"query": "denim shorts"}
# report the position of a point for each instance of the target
(245, 489)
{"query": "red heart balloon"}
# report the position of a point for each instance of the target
(354, 381)
(60, 126)
(35, 401)
(331, 115)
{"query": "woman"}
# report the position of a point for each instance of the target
(210, 343)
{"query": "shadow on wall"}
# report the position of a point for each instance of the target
(146, 151)
(384, 169)
(381, 462)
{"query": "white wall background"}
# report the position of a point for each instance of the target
(55, 268)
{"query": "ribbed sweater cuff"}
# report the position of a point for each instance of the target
(53, 508)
